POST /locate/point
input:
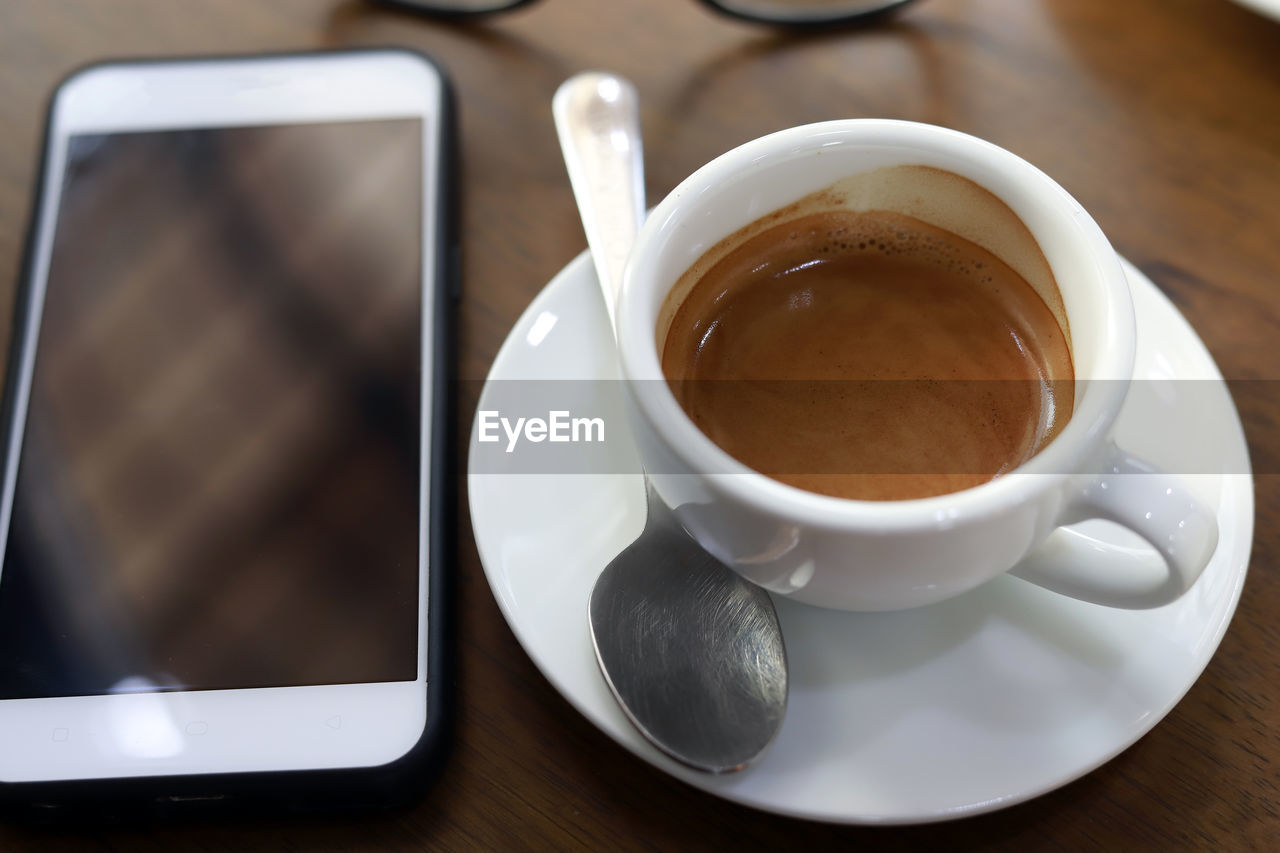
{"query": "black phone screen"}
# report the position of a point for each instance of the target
(219, 480)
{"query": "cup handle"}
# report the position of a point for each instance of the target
(1182, 532)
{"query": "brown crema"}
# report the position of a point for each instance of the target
(868, 355)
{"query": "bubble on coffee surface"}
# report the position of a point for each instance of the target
(876, 235)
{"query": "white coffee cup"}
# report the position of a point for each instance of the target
(887, 555)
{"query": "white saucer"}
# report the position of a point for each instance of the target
(966, 706)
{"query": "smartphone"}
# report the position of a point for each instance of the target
(225, 532)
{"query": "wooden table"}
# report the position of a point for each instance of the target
(1161, 116)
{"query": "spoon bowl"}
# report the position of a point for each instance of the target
(692, 653)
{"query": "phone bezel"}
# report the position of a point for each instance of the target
(382, 729)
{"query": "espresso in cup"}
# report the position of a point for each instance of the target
(863, 352)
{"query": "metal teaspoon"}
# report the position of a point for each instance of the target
(692, 652)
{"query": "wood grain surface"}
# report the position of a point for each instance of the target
(1161, 116)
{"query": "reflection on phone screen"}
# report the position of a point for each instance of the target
(218, 484)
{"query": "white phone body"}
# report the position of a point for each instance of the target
(138, 730)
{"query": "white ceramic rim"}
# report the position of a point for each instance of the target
(1096, 408)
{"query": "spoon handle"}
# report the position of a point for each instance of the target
(597, 118)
